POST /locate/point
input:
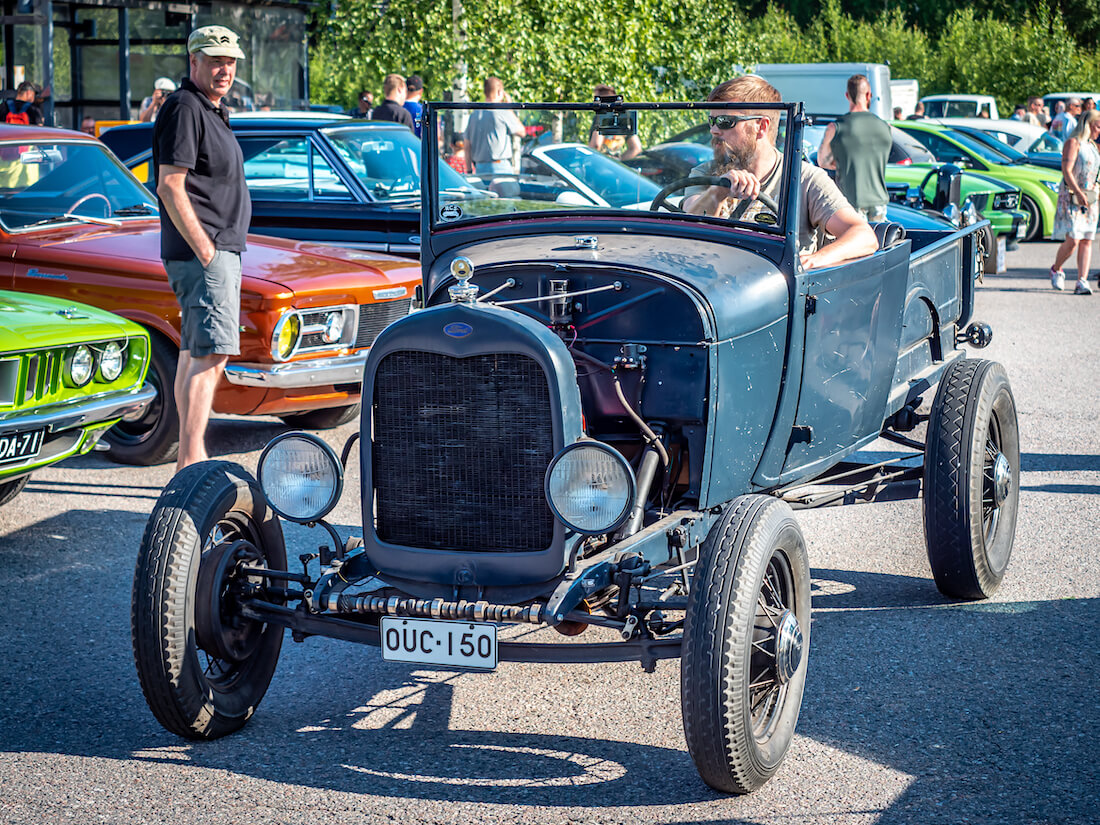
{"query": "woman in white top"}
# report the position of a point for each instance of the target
(1076, 216)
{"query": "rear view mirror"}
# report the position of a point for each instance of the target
(36, 156)
(616, 123)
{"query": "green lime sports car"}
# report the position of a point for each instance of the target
(67, 373)
(997, 201)
(1038, 185)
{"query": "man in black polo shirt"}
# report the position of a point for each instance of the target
(204, 217)
(393, 107)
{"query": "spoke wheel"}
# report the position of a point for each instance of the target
(971, 479)
(745, 640)
(202, 664)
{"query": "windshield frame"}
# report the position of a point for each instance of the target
(142, 196)
(785, 228)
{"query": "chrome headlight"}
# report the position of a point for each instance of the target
(300, 476)
(112, 358)
(590, 487)
(79, 366)
(285, 336)
(334, 327)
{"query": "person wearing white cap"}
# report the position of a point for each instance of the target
(163, 87)
(204, 217)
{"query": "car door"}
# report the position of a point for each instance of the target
(852, 334)
(298, 193)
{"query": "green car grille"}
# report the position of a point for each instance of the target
(30, 378)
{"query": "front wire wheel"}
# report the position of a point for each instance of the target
(745, 636)
(203, 666)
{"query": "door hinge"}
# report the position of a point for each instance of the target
(811, 305)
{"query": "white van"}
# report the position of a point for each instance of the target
(960, 106)
(905, 94)
(822, 86)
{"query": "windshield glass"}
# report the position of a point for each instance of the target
(47, 182)
(387, 161)
(592, 157)
(982, 150)
(996, 145)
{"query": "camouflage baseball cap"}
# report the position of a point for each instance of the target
(216, 41)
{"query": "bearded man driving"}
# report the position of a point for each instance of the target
(830, 231)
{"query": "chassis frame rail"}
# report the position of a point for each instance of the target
(302, 624)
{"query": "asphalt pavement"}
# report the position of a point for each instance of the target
(917, 709)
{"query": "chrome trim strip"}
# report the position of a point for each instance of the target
(65, 416)
(341, 369)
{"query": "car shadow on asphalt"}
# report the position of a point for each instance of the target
(988, 707)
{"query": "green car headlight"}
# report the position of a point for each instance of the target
(79, 366)
(112, 358)
(284, 339)
(590, 487)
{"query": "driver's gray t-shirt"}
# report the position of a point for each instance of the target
(821, 199)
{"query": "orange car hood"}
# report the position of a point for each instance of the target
(291, 265)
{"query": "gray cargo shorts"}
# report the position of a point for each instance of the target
(873, 214)
(210, 303)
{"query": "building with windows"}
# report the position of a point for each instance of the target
(100, 58)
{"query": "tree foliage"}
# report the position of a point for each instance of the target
(557, 50)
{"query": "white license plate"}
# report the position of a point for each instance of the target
(1021, 230)
(20, 446)
(434, 642)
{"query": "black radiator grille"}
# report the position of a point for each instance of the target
(373, 318)
(461, 446)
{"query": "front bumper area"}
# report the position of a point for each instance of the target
(338, 369)
(65, 416)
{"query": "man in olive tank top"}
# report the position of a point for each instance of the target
(857, 146)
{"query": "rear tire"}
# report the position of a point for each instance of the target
(746, 637)
(10, 489)
(971, 479)
(1034, 219)
(322, 419)
(154, 436)
(202, 666)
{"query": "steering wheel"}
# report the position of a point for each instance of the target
(701, 180)
(88, 197)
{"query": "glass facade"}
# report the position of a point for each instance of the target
(107, 54)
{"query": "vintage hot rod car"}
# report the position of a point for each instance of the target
(601, 422)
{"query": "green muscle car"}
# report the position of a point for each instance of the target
(67, 373)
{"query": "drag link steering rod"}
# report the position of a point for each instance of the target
(461, 610)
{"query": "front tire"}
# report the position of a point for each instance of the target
(10, 489)
(202, 666)
(745, 641)
(971, 479)
(153, 437)
(1034, 219)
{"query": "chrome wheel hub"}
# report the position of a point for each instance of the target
(788, 647)
(1002, 479)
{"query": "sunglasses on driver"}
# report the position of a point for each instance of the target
(729, 121)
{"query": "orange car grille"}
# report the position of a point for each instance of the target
(373, 318)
